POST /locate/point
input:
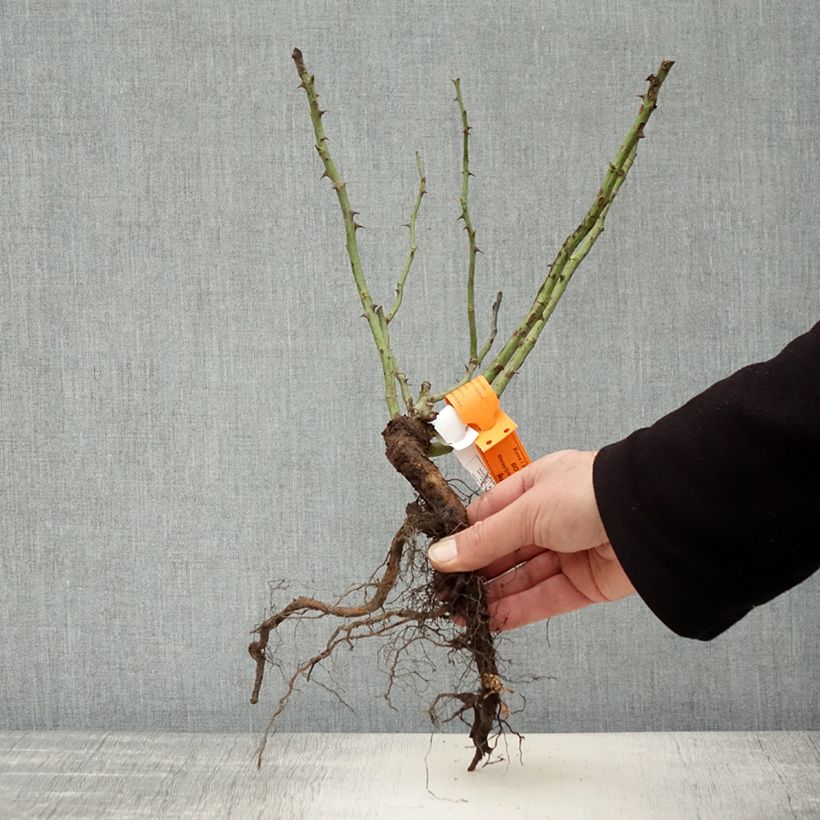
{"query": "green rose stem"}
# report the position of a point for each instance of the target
(425, 402)
(575, 247)
(411, 253)
(468, 226)
(375, 318)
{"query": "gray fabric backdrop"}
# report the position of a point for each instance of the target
(191, 404)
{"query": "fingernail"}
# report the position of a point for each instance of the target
(442, 552)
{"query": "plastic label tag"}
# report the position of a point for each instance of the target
(461, 438)
(482, 435)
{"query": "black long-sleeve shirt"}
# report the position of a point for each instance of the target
(715, 508)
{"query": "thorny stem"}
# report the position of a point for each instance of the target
(519, 354)
(411, 253)
(572, 252)
(426, 398)
(485, 349)
(400, 376)
(389, 369)
(468, 226)
(501, 369)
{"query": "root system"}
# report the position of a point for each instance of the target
(402, 612)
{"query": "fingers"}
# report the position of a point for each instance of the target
(487, 539)
(502, 494)
(510, 560)
(543, 566)
(554, 596)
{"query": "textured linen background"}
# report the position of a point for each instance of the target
(191, 405)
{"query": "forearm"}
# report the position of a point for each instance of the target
(715, 508)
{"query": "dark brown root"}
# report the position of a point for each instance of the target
(437, 512)
(301, 605)
(408, 440)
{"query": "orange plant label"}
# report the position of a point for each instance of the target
(498, 443)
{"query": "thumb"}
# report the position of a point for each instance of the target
(488, 539)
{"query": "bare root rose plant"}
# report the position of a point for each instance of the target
(404, 603)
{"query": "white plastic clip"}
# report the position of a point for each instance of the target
(461, 438)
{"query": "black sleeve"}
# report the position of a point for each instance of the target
(715, 508)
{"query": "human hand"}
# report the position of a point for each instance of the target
(538, 539)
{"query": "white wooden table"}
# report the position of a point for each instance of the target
(653, 775)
